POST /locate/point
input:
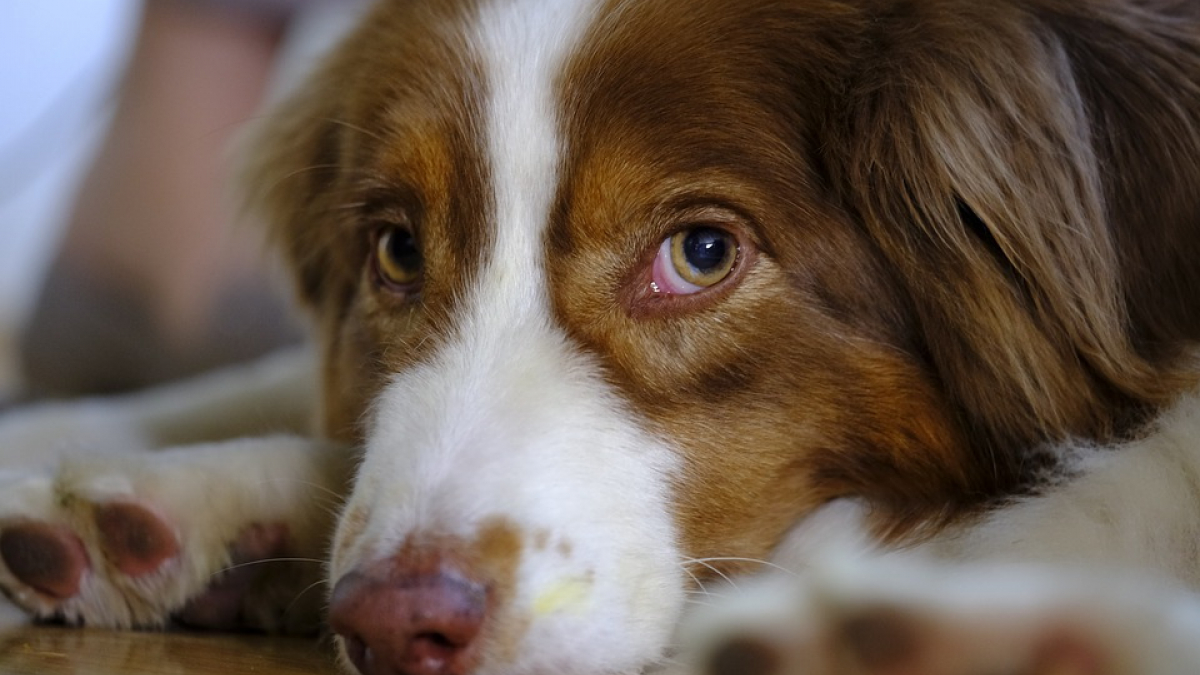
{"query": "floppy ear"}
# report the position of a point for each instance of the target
(290, 177)
(1010, 165)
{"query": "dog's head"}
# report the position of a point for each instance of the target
(615, 293)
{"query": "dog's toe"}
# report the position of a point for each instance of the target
(47, 558)
(135, 539)
(882, 641)
(745, 655)
(891, 641)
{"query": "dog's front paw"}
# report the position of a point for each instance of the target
(227, 535)
(882, 618)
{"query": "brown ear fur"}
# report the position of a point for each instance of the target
(313, 157)
(290, 174)
(1072, 132)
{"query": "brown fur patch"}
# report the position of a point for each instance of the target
(968, 229)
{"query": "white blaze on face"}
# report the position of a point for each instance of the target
(511, 421)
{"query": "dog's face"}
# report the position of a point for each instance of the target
(607, 288)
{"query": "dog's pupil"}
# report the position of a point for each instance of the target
(706, 248)
(403, 250)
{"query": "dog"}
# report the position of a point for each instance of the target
(868, 325)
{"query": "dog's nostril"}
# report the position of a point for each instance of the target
(433, 651)
(398, 621)
(436, 641)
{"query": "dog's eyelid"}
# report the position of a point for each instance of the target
(386, 214)
(696, 211)
(377, 201)
(720, 214)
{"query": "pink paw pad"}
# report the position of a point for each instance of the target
(135, 539)
(885, 641)
(48, 558)
(1065, 654)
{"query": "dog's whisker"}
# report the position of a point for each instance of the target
(298, 172)
(754, 561)
(354, 127)
(335, 497)
(306, 589)
(706, 595)
(248, 563)
(714, 569)
(700, 588)
(703, 593)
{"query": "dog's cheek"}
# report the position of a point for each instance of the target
(868, 424)
(348, 382)
(367, 340)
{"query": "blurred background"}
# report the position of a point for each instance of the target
(121, 263)
(62, 61)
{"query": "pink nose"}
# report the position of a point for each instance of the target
(395, 620)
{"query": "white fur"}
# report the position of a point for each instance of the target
(978, 618)
(509, 422)
(1132, 507)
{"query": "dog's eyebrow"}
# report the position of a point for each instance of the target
(375, 199)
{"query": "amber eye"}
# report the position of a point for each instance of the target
(397, 261)
(694, 259)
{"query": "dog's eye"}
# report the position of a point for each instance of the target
(694, 259)
(397, 261)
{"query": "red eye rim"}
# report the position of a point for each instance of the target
(642, 301)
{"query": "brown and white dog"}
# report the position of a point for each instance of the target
(617, 298)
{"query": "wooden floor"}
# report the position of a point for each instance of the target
(47, 650)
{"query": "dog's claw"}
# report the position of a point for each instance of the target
(48, 558)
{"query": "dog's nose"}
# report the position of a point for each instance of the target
(397, 620)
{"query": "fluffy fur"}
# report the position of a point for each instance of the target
(962, 320)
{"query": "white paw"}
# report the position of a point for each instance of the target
(905, 617)
(222, 535)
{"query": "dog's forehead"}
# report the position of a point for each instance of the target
(527, 94)
(472, 118)
(522, 48)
